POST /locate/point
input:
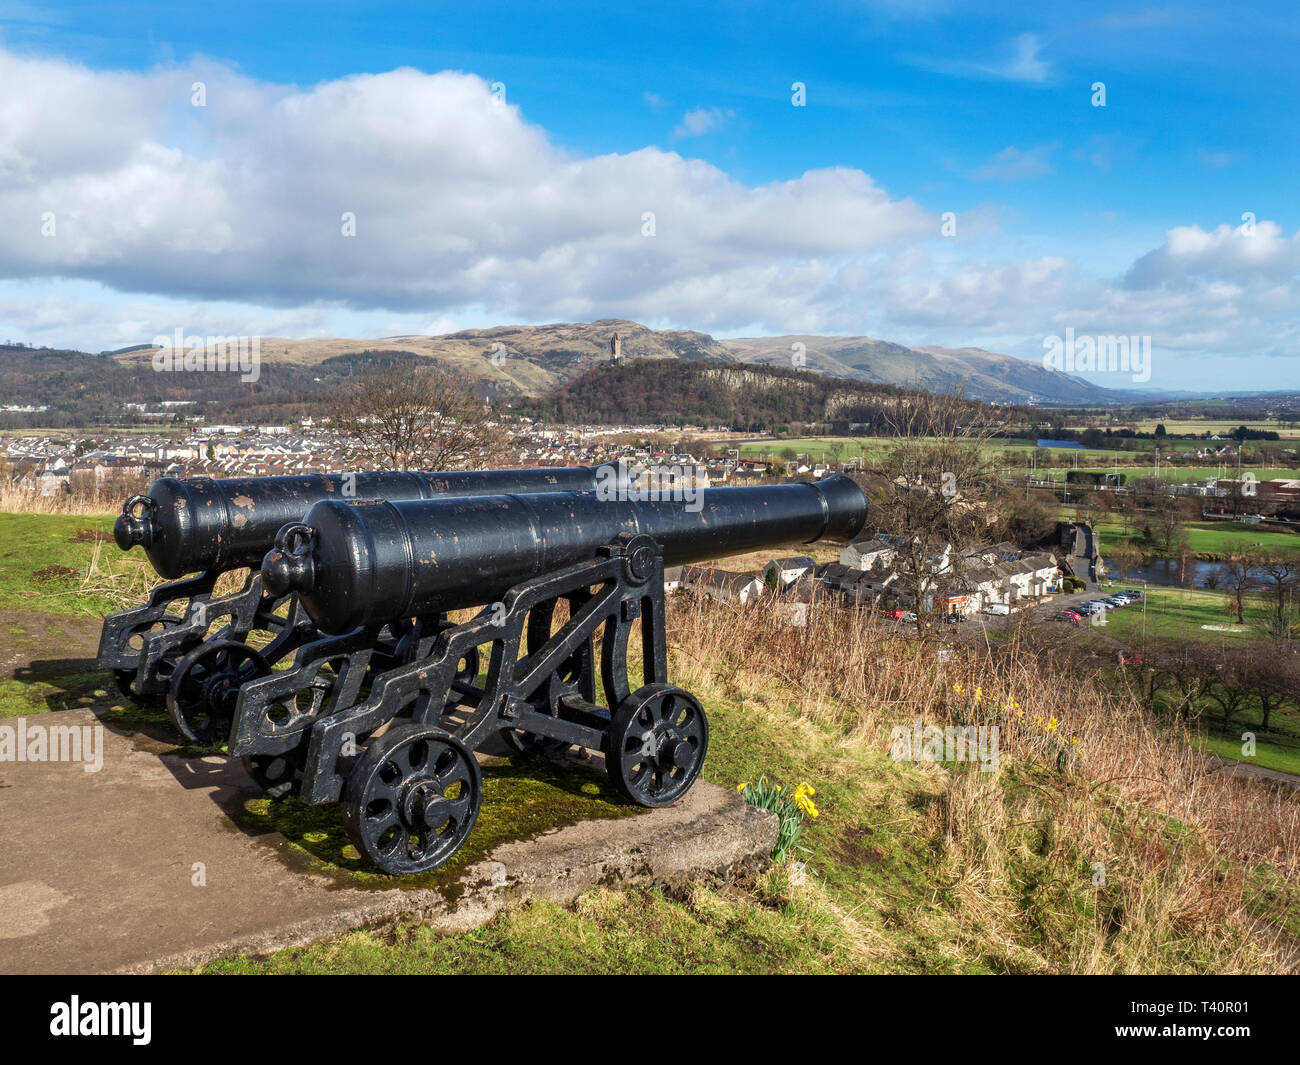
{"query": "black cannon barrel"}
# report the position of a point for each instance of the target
(370, 563)
(186, 526)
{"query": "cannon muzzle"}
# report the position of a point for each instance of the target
(371, 563)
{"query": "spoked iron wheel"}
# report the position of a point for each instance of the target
(656, 744)
(205, 686)
(276, 774)
(412, 798)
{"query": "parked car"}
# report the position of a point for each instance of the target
(1073, 615)
(954, 619)
(1135, 593)
(1115, 602)
(909, 615)
(1131, 658)
(997, 608)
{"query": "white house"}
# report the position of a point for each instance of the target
(863, 554)
(783, 572)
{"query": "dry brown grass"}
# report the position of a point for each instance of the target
(21, 501)
(1174, 838)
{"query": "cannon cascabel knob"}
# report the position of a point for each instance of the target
(135, 524)
(289, 566)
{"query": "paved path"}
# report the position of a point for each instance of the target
(96, 868)
(1252, 772)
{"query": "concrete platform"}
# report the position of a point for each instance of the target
(97, 868)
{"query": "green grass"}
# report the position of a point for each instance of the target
(45, 565)
(1267, 755)
(1179, 614)
(1209, 538)
(522, 798)
(1172, 474)
(866, 856)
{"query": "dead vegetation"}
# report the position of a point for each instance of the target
(1132, 856)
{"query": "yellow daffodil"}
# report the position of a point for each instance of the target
(742, 787)
(1051, 725)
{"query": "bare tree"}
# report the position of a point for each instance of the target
(1274, 679)
(1283, 571)
(1238, 576)
(412, 417)
(934, 502)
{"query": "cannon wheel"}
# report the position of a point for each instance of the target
(412, 798)
(203, 690)
(656, 744)
(276, 774)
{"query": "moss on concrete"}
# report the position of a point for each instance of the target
(522, 798)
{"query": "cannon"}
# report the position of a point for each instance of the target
(197, 654)
(394, 740)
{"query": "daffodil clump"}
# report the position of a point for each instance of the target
(1045, 734)
(791, 810)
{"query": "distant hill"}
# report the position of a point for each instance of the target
(978, 373)
(512, 359)
(534, 359)
(746, 397)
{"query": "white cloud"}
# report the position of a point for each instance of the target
(1018, 61)
(1023, 63)
(226, 220)
(700, 120)
(457, 199)
(1012, 164)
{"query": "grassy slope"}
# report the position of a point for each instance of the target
(1097, 460)
(914, 868)
(1178, 615)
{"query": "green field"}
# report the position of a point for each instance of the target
(1217, 538)
(1267, 755)
(1174, 474)
(1286, 430)
(1179, 614)
(1097, 460)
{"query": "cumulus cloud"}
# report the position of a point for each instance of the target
(230, 218)
(456, 198)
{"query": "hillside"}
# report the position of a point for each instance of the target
(530, 359)
(674, 392)
(978, 373)
(515, 362)
(535, 359)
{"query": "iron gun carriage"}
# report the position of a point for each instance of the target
(191, 644)
(393, 737)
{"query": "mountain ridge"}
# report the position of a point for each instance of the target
(537, 359)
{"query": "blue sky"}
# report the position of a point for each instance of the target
(1126, 218)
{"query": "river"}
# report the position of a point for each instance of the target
(1168, 571)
